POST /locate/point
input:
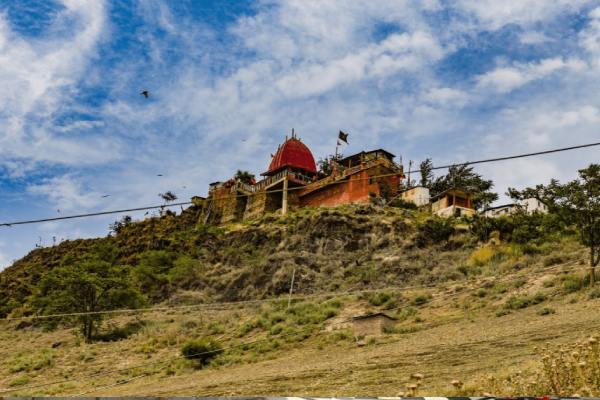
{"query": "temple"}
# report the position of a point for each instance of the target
(292, 180)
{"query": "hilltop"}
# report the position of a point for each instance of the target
(469, 302)
(345, 248)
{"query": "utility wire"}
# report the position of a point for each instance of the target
(343, 322)
(239, 345)
(225, 305)
(191, 356)
(36, 221)
(537, 153)
(215, 305)
(466, 163)
(118, 383)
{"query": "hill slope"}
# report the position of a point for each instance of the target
(465, 309)
(344, 248)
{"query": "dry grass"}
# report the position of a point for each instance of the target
(453, 335)
(566, 370)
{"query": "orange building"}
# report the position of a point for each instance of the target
(359, 178)
(292, 180)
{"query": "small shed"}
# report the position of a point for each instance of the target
(373, 324)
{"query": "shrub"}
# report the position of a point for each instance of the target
(378, 299)
(562, 371)
(546, 311)
(554, 260)
(519, 302)
(420, 300)
(201, 351)
(184, 272)
(341, 336)
(216, 328)
(482, 256)
(482, 227)
(27, 362)
(406, 313)
(401, 203)
(434, 230)
(385, 299)
(501, 313)
(120, 333)
(595, 294)
(21, 380)
(573, 283)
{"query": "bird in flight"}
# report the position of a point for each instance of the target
(105, 196)
(145, 93)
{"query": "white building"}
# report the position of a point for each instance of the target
(418, 195)
(530, 206)
(498, 211)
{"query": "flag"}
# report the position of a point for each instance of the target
(343, 137)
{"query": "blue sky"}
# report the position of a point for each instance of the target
(451, 80)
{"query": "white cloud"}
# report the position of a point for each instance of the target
(493, 14)
(505, 79)
(38, 77)
(533, 37)
(316, 66)
(590, 37)
(66, 193)
(447, 96)
(398, 52)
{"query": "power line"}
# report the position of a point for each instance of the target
(36, 221)
(118, 383)
(466, 163)
(537, 153)
(214, 305)
(239, 345)
(232, 304)
(343, 322)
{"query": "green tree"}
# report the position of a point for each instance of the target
(426, 170)
(151, 273)
(118, 226)
(86, 286)
(576, 202)
(244, 176)
(185, 272)
(324, 164)
(463, 177)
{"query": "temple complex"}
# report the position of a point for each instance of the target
(292, 181)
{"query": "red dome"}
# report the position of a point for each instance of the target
(293, 153)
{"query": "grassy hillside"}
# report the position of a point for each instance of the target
(471, 301)
(344, 248)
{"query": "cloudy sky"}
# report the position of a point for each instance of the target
(454, 81)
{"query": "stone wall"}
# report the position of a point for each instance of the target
(371, 326)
